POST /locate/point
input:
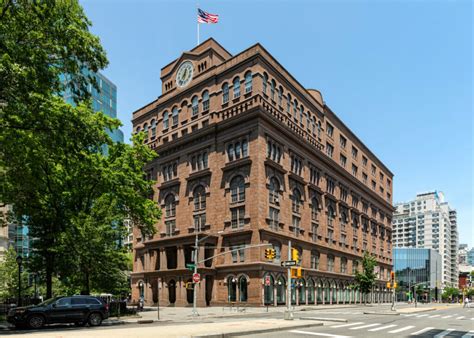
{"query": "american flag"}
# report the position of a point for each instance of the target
(204, 17)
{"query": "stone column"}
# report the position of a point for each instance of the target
(180, 257)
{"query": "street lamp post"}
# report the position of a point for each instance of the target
(19, 261)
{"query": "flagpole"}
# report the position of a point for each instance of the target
(198, 34)
(197, 14)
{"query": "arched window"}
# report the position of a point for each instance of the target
(314, 209)
(205, 101)
(145, 130)
(268, 290)
(195, 105)
(308, 120)
(302, 291)
(280, 95)
(331, 215)
(153, 128)
(313, 125)
(199, 197)
(274, 189)
(314, 260)
(137, 130)
(243, 296)
(288, 103)
(265, 81)
(175, 116)
(166, 120)
(295, 110)
(355, 222)
(310, 286)
(237, 189)
(232, 289)
(236, 85)
(170, 206)
(272, 89)
(225, 93)
(344, 219)
(319, 129)
(248, 82)
(281, 290)
(296, 201)
(301, 114)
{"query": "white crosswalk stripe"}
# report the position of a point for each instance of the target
(318, 334)
(409, 315)
(444, 333)
(447, 316)
(460, 317)
(402, 329)
(364, 326)
(434, 316)
(345, 325)
(382, 328)
(422, 330)
(419, 316)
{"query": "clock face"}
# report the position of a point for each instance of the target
(185, 74)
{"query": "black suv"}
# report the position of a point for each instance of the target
(76, 309)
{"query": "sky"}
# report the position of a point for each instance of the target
(398, 73)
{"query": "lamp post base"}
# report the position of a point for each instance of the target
(289, 315)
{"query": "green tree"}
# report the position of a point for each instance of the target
(9, 276)
(365, 280)
(53, 171)
(450, 293)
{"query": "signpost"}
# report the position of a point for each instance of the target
(288, 263)
(196, 277)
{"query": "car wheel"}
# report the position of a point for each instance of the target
(95, 319)
(36, 321)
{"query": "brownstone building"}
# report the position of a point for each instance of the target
(248, 156)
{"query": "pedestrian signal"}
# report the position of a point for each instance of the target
(295, 255)
(270, 253)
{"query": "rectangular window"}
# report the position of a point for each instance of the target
(330, 235)
(364, 161)
(373, 168)
(354, 170)
(233, 253)
(374, 184)
(330, 186)
(199, 222)
(329, 129)
(343, 160)
(381, 176)
(343, 239)
(205, 105)
(329, 149)
(274, 218)
(296, 225)
(343, 265)
(364, 178)
(330, 263)
(355, 152)
(170, 227)
(237, 217)
(342, 141)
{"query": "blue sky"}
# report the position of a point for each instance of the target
(398, 73)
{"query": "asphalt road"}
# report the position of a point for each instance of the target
(452, 322)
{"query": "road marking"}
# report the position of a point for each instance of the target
(409, 315)
(434, 316)
(422, 330)
(460, 317)
(382, 328)
(402, 329)
(318, 334)
(444, 333)
(351, 324)
(419, 316)
(364, 326)
(447, 316)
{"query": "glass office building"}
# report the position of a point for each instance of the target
(417, 272)
(104, 99)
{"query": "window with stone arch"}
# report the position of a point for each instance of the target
(237, 189)
(153, 128)
(175, 113)
(313, 126)
(272, 89)
(248, 82)
(344, 220)
(225, 93)
(236, 87)
(195, 105)
(296, 201)
(295, 110)
(166, 121)
(199, 198)
(314, 209)
(280, 95)
(205, 100)
(331, 216)
(288, 103)
(274, 191)
(265, 82)
(170, 206)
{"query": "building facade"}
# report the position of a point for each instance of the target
(250, 159)
(418, 273)
(470, 257)
(429, 222)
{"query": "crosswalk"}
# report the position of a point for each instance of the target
(391, 330)
(454, 316)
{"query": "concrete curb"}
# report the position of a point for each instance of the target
(244, 333)
(420, 310)
(381, 313)
(325, 319)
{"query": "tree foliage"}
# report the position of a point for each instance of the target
(74, 197)
(9, 276)
(450, 293)
(365, 280)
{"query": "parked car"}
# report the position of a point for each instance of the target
(80, 310)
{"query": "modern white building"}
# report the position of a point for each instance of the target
(429, 222)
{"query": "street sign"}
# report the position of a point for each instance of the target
(288, 263)
(267, 280)
(196, 277)
(190, 266)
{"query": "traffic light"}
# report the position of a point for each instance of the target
(295, 273)
(395, 285)
(388, 285)
(270, 253)
(295, 255)
(189, 285)
(392, 276)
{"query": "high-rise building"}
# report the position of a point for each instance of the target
(429, 222)
(249, 159)
(418, 273)
(470, 257)
(462, 254)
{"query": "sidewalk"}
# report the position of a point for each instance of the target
(195, 330)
